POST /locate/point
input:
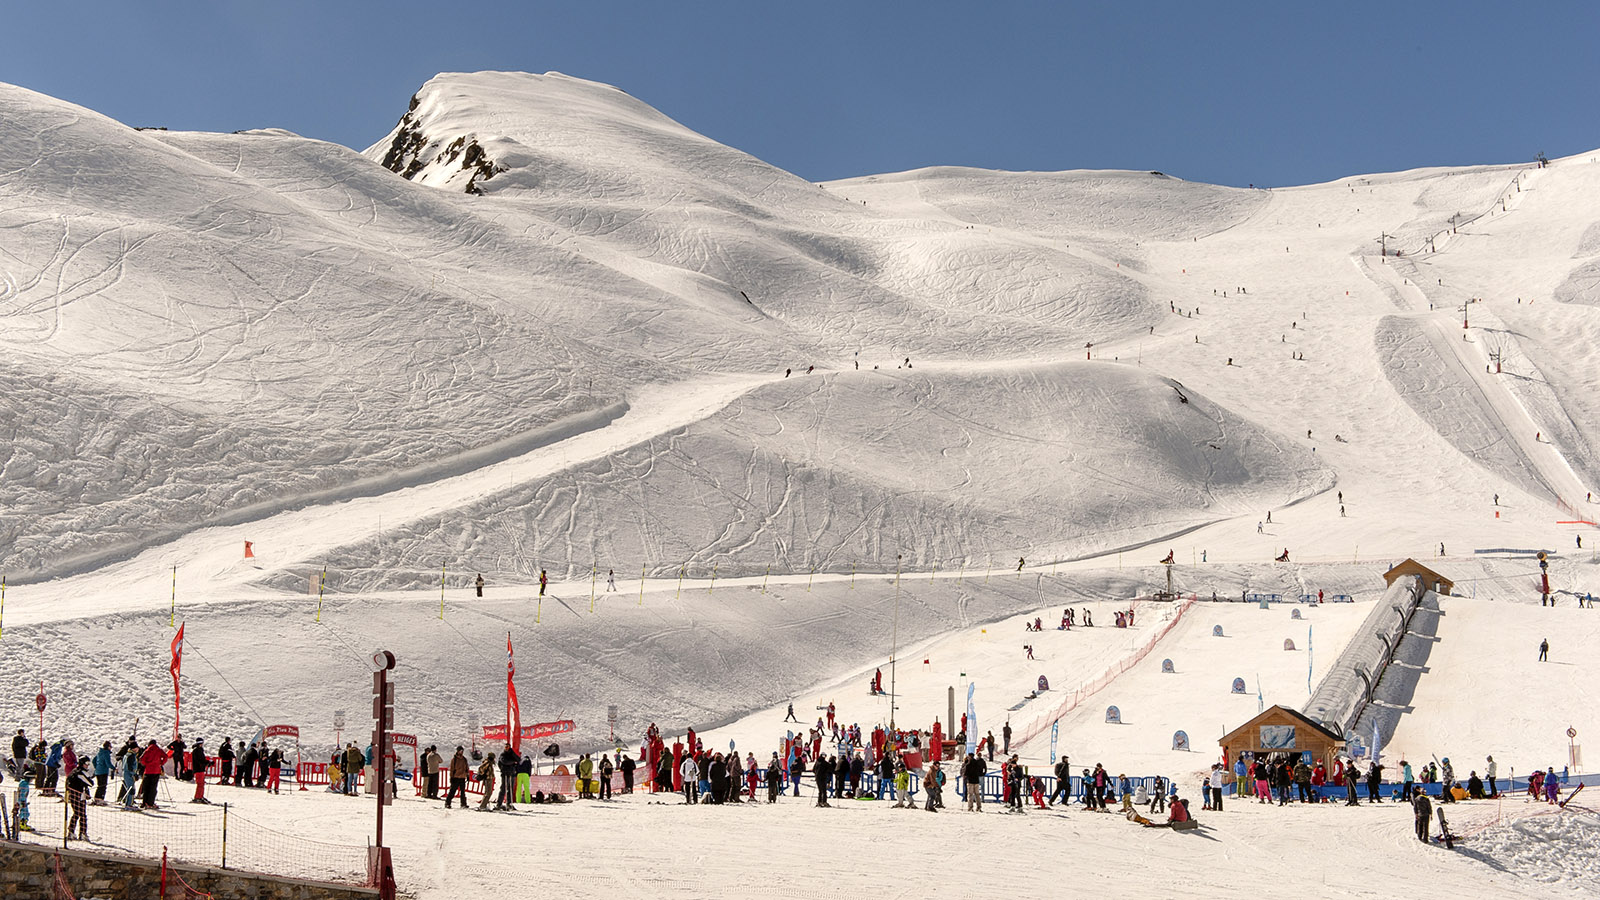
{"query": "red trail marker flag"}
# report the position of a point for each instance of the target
(177, 666)
(513, 710)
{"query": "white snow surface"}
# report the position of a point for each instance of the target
(559, 342)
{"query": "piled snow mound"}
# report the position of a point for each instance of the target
(1553, 849)
(943, 469)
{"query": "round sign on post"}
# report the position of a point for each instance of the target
(39, 701)
(1571, 732)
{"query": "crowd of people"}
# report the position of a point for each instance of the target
(136, 770)
(834, 760)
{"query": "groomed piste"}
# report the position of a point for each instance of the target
(545, 374)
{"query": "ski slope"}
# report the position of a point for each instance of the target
(541, 326)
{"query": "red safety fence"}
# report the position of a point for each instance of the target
(1076, 698)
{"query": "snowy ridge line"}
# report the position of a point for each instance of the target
(370, 486)
(1085, 691)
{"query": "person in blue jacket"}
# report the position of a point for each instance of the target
(102, 772)
(52, 770)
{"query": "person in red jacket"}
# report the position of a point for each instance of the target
(150, 763)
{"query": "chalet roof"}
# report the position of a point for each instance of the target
(1410, 566)
(1270, 711)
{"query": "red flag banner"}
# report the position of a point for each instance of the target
(177, 665)
(548, 729)
(497, 733)
(513, 708)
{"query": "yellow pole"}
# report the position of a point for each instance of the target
(963, 573)
(2, 605)
(764, 579)
(812, 577)
(713, 585)
(538, 611)
(852, 576)
(680, 581)
(594, 570)
(641, 583)
(441, 591)
(988, 569)
(322, 582)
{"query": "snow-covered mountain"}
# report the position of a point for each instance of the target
(542, 326)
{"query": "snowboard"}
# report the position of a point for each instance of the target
(1575, 792)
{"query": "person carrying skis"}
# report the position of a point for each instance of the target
(1447, 774)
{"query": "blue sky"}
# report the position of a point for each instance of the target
(1234, 93)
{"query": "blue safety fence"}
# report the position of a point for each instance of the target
(993, 786)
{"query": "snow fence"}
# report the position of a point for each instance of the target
(1073, 699)
(1348, 687)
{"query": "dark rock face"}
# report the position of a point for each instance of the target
(407, 155)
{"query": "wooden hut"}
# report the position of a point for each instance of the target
(1282, 730)
(1431, 580)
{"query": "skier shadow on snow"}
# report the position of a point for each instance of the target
(1481, 857)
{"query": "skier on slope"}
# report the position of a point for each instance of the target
(1544, 650)
(611, 580)
(544, 581)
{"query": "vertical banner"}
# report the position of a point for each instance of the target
(176, 666)
(972, 719)
(1055, 731)
(1308, 657)
(513, 708)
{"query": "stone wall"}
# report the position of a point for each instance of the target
(27, 871)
